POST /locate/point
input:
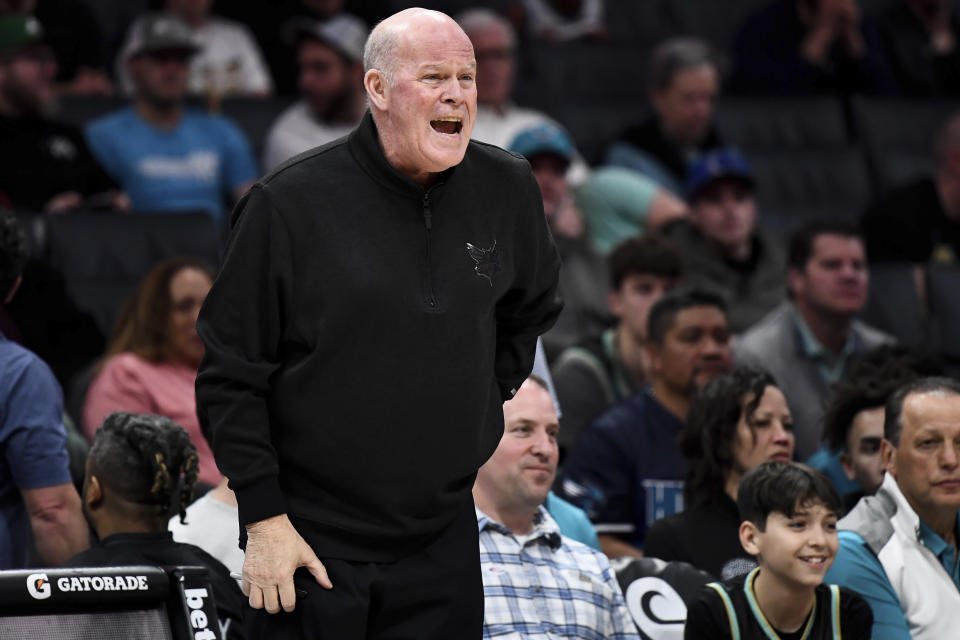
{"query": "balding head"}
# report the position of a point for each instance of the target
(419, 74)
(385, 42)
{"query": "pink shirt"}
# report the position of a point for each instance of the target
(127, 382)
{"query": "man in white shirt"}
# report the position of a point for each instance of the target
(330, 56)
(212, 525)
(499, 120)
(228, 62)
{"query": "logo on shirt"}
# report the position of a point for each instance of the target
(198, 165)
(664, 498)
(61, 148)
(486, 261)
(38, 586)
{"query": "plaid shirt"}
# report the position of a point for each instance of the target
(545, 586)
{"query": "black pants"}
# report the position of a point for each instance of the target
(434, 594)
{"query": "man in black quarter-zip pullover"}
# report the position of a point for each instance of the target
(380, 297)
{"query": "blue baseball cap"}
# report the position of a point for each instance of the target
(543, 138)
(715, 165)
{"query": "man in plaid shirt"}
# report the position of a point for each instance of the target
(537, 583)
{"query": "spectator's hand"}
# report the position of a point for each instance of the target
(63, 202)
(122, 202)
(941, 31)
(274, 551)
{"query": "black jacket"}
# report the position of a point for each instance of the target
(648, 136)
(160, 549)
(362, 335)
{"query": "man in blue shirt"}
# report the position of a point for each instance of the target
(898, 549)
(166, 157)
(627, 470)
(36, 491)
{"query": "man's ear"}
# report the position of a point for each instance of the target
(614, 303)
(92, 493)
(847, 464)
(794, 280)
(378, 89)
(652, 353)
(749, 535)
(888, 453)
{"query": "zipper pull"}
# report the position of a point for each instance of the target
(427, 214)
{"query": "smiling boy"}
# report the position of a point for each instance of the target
(789, 523)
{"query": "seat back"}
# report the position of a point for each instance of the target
(108, 603)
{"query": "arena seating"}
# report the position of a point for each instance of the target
(103, 256)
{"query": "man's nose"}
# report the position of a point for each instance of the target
(950, 458)
(453, 92)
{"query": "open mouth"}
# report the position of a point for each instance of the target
(447, 126)
(816, 562)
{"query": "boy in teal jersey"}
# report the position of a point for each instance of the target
(789, 514)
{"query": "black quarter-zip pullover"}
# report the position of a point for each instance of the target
(362, 335)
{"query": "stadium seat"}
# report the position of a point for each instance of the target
(943, 290)
(894, 305)
(797, 186)
(658, 593)
(716, 22)
(254, 116)
(897, 136)
(110, 603)
(103, 256)
(782, 124)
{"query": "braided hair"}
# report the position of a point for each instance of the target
(142, 457)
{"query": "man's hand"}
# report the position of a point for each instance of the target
(274, 551)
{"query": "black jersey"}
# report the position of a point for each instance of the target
(729, 609)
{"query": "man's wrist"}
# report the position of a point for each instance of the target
(272, 522)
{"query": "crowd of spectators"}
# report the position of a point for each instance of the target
(708, 327)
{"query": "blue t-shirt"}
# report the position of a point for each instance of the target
(33, 443)
(627, 471)
(192, 167)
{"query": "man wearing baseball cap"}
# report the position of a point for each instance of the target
(44, 165)
(169, 158)
(550, 150)
(723, 248)
(330, 57)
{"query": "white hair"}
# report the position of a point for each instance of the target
(379, 52)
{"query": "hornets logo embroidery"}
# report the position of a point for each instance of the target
(487, 261)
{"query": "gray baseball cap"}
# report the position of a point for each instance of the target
(343, 32)
(160, 32)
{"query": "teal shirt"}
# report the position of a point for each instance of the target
(944, 552)
(858, 569)
(572, 521)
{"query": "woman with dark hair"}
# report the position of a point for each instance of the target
(151, 363)
(736, 422)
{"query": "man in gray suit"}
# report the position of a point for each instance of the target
(808, 341)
